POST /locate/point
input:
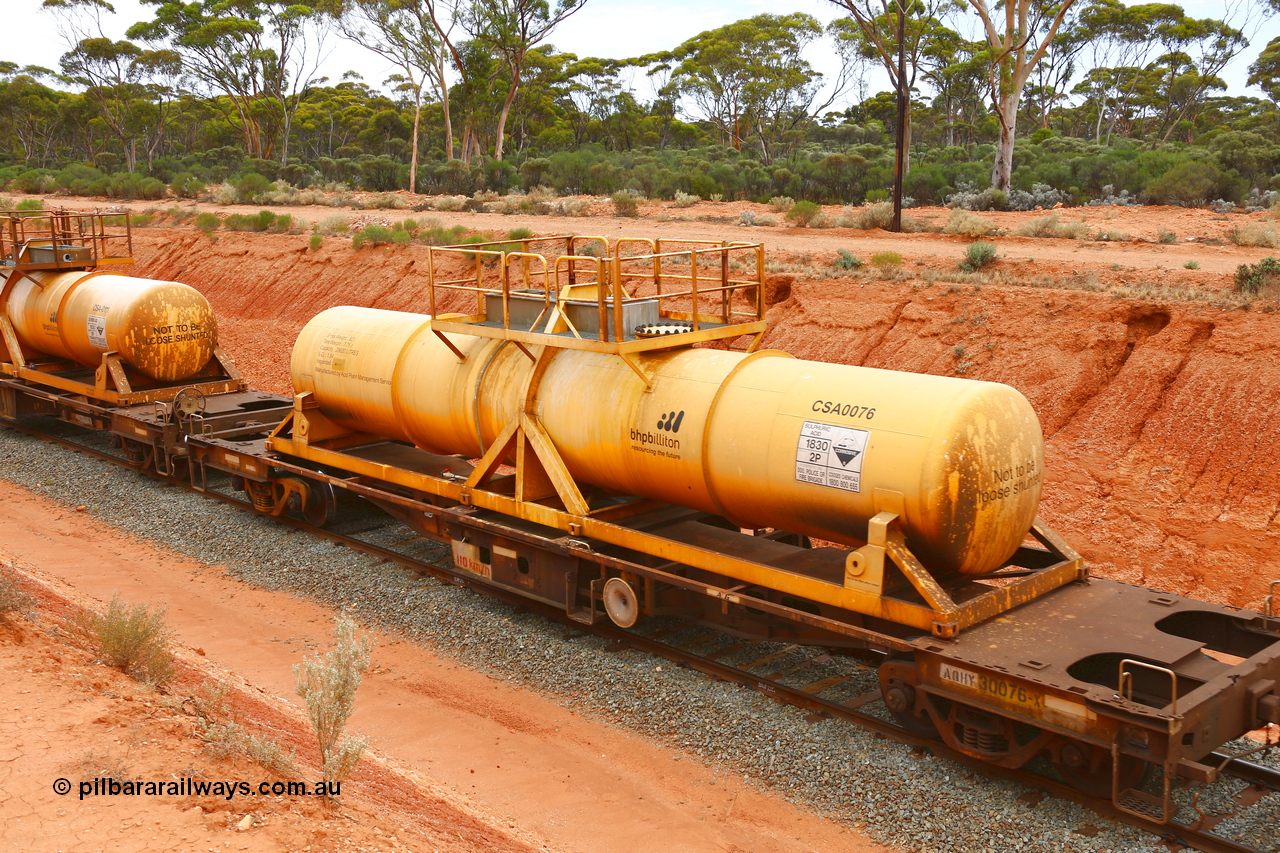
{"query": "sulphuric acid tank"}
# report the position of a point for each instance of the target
(164, 329)
(766, 440)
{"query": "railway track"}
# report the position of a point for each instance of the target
(828, 685)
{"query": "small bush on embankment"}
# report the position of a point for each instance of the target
(132, 638)
(1260, 279)
(13, 601)
(327, 684)
(978, 255)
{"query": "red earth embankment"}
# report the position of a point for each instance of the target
(1163, 445)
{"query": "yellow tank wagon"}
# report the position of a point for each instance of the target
(608, 386)
(69, 322)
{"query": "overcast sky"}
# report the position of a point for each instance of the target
(607, 28)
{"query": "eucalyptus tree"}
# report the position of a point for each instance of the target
(1196, 52)
(510, 29)
(131, 88)
(262, 56)
(1264, 72)
(31, 114)
(750, 77)
(409, 35)
(954, 68)
(877, 24)
(1121, 42)
(1018, 34)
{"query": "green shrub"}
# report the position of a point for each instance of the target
(316, 241)
(207, 222)
(965, 223)
(371, 235)
(1165, 236)
(1189, 183)
(1260, 279)
(434, 234)
(625, 204)
(846, 260)
(978, 255)
(132, 638)
(141, 220)
(31, 204)
(249, 185)
(802, 213)
(1191, 265)
(886, 260)
(401, 237)
(519, 233)
(32, 181)
(263, 220)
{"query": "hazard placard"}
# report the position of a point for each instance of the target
(830, 455)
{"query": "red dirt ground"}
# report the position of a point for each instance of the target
(463, 762)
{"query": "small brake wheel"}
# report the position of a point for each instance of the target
(188, 402)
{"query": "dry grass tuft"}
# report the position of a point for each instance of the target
(1052, 225)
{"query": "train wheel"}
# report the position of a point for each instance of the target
(1088, 769)
(900, 699)
(321, 505)
(900, 696)
(621, 603)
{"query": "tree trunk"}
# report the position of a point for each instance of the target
(506, 110)
(284, 142)
(413, 157)
(1007, 112)
(448, 118)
